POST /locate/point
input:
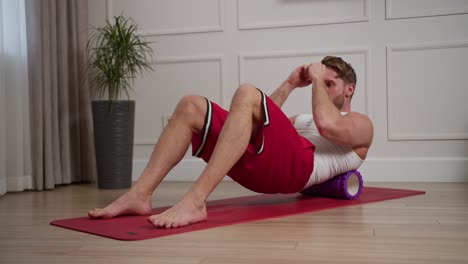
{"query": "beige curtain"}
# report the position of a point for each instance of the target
(62, 143)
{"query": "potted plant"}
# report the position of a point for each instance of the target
(117, 54)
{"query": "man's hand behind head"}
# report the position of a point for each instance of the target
(299, 77)
(316, 71)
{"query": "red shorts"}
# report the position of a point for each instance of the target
(279, 161)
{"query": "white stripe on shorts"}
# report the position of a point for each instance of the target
(207, 129)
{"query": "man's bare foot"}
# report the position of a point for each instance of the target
(129, 203)
(184, 213)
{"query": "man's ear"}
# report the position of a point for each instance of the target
(349, 89)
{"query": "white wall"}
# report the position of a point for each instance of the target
(409, 57)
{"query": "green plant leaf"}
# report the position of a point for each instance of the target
(117, 55)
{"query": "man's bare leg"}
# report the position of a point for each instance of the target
(245, 113)
(172, 145)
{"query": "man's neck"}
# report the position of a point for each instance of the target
(346, 108)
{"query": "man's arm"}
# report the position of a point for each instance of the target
(298, 78)
(353, 130)
(282, 93)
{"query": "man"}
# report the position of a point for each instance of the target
(255, 143)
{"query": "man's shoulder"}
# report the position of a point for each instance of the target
(359, 116)
(360, 121)
(364, 124)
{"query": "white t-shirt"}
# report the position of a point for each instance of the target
(330, 159)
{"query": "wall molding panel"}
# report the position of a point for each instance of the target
(365, 52)
(175, 30)
(395, 113)
(218, 59)
(399, 9)
(250, 17)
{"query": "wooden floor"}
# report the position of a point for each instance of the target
(431, 228)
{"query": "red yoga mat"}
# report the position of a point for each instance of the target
(227, 212)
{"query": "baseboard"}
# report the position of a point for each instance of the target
(437, 169)
(186, 170)
(373, 170)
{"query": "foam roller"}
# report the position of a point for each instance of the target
(344, 186)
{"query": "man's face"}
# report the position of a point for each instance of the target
(336, 88)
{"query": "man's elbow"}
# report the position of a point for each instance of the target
(324, 127)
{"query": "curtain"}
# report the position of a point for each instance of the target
(15, 151)
(62, 145)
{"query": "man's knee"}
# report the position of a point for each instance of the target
(246, 93)
(191, 105)
(249, 96)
